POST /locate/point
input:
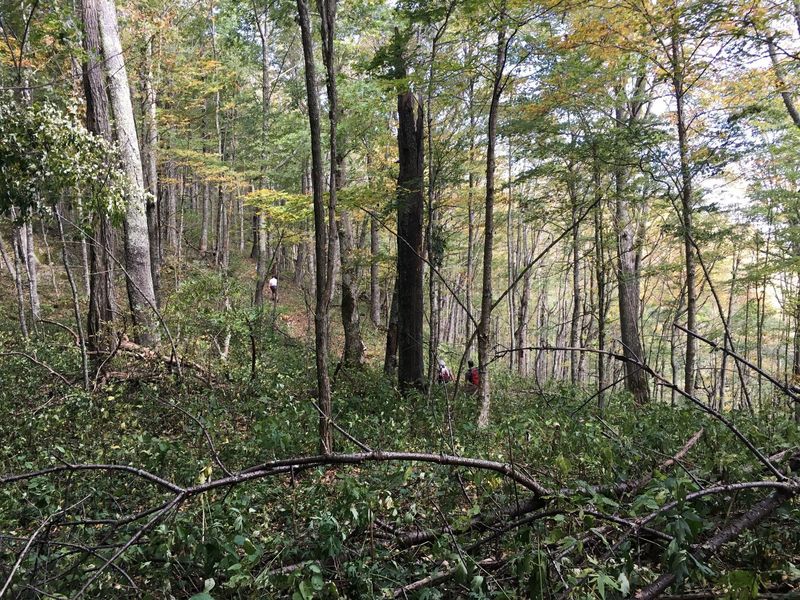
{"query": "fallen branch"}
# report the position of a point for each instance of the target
(435, 578)
(128, 347)
(36, 361)
(749, 519)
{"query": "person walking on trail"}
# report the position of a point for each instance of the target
(273, 288)
(443, 375)
(472, 376)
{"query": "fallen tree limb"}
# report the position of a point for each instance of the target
(749, 519)
(128, 347)
(36, 361)
(435, 578)
(482, 523)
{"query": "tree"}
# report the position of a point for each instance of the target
(484, 324)
(323, 256)
(138, 270)
(410, 206)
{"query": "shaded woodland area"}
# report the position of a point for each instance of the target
(245, 243)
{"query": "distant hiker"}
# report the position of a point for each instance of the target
(472, 375)
(443, 375)
(273, 287)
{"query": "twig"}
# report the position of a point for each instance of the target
(36, 361)
(30, 542)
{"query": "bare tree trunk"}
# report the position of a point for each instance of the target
(374, 283)
(351, 322)
(320, 249)
(628, 281)
(14, 269)
(600, 276)
(780, 76)
(521, 332)
(31, 267)
(488, 234)
(98, 122)
(410, 292)
(575, 322)
(141, 296)
(390, 357)
(50, 261)
(150, 170)
(204, 218)
(470, 275)
(75, 302)
(685, 192)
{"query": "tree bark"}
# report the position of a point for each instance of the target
(390, 357)
(488, 234)
(410, 206)
(374, 282)
(628, 270)
(14, 268)
(321, 257)
(685, 192)
(139, 278)
(351, 321)
(575, 321)
(98, 121)
(150, 170)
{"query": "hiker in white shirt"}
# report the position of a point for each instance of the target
(273, 287)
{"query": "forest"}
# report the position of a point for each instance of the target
(320, 299)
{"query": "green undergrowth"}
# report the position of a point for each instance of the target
(330, 532)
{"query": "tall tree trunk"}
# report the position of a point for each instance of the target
(628, 265)
(600, 276)
(685, 192)
(575, 321)
(320, 249)
(139, 278)
(410, 205)
(259, 224)
(628, 292)
(470, 274)
(488, 233)
(150, 169)
(98, 122)
(432, 246)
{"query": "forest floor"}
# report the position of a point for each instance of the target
(366, 530)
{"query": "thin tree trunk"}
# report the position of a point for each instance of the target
(390, 357)
(150, 170)
(50, 261)
(685, 192)
(76, 307)
(374, 282)
(23, 324)
(575, 321)
(488, 234)
(351, 322)
(320, 249)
